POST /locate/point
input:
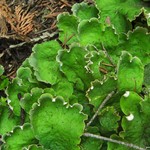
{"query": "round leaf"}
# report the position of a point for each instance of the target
(56, 125)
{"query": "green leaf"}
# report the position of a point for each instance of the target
(130, 73)
(92, 32)
(136, 128)
(7, 120)
(120, 12)
(67, 25)
(4, 81)
(20, 85)
(20, 137)
(99, 90)
(108, 119)
(89, 143)
(64, 89)
(30, 98)
(98, 64)
(43, 61)
(137, 44)
(94, 59)
(114, 146)
(56, 125)
(83, 11)
(35, 147)
(3, 101)
(73, 64)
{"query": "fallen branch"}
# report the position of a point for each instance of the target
(45, 35)
(113, 141)
(100, 107)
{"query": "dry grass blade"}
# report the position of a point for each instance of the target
(5, 16)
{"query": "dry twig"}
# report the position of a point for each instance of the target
(100, 107)
(130, 145)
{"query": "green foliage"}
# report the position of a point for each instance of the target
(130, 73)
(108, 119)
(65, 82)
(135, 125)
(3, 79)
(20, 138)
(8, 120)
(59, 127)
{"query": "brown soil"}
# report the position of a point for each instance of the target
(16, 43)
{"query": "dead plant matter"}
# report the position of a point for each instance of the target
(21, 21)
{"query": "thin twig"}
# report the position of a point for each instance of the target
(100, 107)
(110, 59)
(113, 141)
(66, 3)
(42, 37)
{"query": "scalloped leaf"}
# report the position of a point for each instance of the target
(108, 119)
(121, 11)
(20, 137)
(67, 25)
(136, 126)
(83, 11)
(137, 44)
(73, 65)
(43, 61)
(7, 120)
(30, 98)
(94, 59)
(98, 64)
(56, 125)
(22, 84)
(35, 147)
(92, 32)
(99, 90)
(130, 73)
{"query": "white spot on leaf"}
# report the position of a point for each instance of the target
(53, 100)
(92, 87)
(64, 103)
(127, 93)
(130, 117)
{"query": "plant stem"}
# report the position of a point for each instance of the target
(100, 107)
(113, 141)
